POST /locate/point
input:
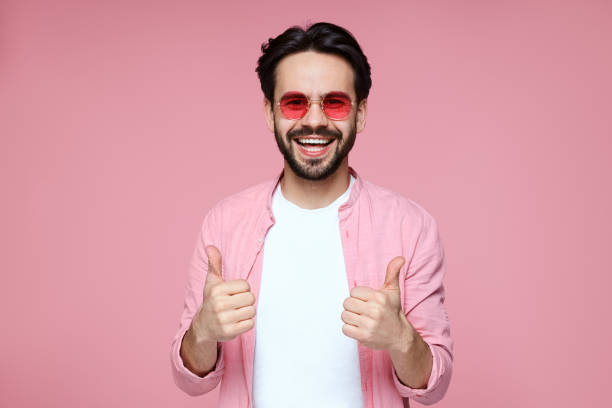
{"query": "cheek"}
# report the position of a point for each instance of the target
(282, 128)
(345, 129)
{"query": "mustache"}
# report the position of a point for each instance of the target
(308, 130)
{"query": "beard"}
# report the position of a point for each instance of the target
(314, 168)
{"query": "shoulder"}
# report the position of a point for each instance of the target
(384, 200)
(241, 205)
(254, 195)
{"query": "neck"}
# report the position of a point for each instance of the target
(313, 194)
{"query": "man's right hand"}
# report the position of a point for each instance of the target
(227, 309)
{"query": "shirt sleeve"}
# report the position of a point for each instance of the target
(186, 380)
(424, 309)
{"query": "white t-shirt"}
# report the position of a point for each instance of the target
(302, 358)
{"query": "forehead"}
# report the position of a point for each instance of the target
(313, 73)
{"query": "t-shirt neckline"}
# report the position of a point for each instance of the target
(333, 205)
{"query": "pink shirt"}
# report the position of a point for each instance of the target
(376, 225)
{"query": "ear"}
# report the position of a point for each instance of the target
(361, 114)
(269, 111)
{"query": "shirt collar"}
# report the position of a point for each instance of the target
(352, 199)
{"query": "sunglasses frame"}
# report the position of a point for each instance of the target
(310, 101)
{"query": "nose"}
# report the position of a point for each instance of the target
(315, 116)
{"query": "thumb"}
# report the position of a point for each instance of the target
(393, 270)
(214, 262)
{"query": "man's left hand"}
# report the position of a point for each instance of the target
(375, 317)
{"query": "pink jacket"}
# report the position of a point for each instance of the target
(376, 225)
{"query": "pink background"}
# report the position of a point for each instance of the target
(123, 122)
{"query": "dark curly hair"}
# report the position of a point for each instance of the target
(322, 37)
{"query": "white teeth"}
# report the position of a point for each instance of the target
(313, 149)
(314, 141)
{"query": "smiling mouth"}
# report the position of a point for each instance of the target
(314, 146)
(314, 143)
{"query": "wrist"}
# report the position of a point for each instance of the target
(198, 334)
(199, 356)
(405, 340)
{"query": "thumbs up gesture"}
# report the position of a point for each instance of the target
(227, 308)
(374, 317)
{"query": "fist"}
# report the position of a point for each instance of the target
(227, 308)
(374, 317)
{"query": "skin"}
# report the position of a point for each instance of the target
(315, 74)
(227, 310)
(372, 316)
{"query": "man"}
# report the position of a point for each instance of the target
(317, 288)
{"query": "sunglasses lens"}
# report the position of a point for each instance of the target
(294, 105)
(337, 105)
